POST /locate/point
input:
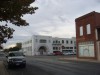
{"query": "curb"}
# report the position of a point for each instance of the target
(2, 69)
(78, 60)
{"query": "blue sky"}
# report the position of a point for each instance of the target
(54, 18)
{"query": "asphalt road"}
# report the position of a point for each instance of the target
(51, 65)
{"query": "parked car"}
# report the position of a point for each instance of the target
(57, 53)
(69, 53)
(50, 54)
(16, 58)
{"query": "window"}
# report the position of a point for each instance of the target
(71, 47)
(49, 41)
(53, 41)
(63, 47)
(59, 48)
(16, 54)
(74, 47)
(56, 41)
(67, 42)
(71, 42)
(56, 48)
(42, 41)
(59, 41)
(36, 40)
(81, 30)
(62, 41)
(53, 48)
(88, 28)
(67, 47)
(74, 42)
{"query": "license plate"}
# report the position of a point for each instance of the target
(17, 64)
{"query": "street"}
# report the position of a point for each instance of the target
(51, 65)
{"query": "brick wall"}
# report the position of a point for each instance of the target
(83, 21)
(93, 19)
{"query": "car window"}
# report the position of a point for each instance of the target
(16, 54)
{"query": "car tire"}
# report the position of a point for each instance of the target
(9, 66)
(24, 66)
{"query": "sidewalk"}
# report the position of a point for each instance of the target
(77, 59)
(2, 69)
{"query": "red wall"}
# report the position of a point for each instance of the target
(93, 19)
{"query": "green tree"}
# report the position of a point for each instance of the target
(13, 49)
(16, 48)
(12, 11)
(19, 45)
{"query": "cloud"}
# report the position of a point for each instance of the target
(55, 18)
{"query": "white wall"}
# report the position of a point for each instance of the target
(35, 44)
(69, 44)
(27, 47)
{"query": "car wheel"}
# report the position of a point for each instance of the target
(9, 66)
(24, 65)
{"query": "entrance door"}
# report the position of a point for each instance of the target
(86, 51)
(42, 50)
(98, 47)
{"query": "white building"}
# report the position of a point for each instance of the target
(44, 45)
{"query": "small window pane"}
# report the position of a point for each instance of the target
(88, 29)
(81, 31)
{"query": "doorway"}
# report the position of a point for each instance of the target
(98, 32)
(98, 48)
(42, 50)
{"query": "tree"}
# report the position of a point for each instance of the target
(12, 11)
(19, 45)
(13, 49)
(16, 48)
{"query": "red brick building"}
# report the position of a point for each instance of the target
(88, 36)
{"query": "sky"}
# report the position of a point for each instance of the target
(54, 18)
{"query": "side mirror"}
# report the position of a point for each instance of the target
(24, 55)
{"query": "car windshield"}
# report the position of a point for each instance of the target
(16, 54)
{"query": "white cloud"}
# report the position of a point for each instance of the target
(55, 17)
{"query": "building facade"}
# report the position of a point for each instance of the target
(64, 45)
(88, 36)
(45, 45)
